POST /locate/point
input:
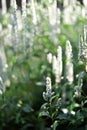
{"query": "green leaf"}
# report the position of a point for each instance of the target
(63, 117)
(53, 98)
(27, 108)
(55, 124)
(44, 114)
(18, 116)
(44, 106)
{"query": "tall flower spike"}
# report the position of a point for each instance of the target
(14, 5)
(85, 3)
(24, 22)
(11, 3)
(58, 20)
(48, 93)
(24, 8)
(73, 2)
(84, 10)
(34, 19)
(2, 87)
(14, 33)
(48, 85)
(52, 10)
(49, 58)
(4, 8)
(54, 19)
(66, 3)
(85, 34)
(69, 65)
(54, 64)
(80, 48)
(34, 22)
(59, 58)
(59, 64)
(83, 46)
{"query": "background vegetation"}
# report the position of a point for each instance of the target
(27, 37)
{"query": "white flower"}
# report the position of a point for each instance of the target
(69, 65)
(34, 19)
(2, 87)
(54, 64)
(59, 59)
(49, 58)
(58, 72)
(14, 4)
(4, 8)
(48, 85)
(72, 112)
(65, 111)
(52, 13)
(58, 20)
(85, 2)
(24, 8)
(57, 65)
(48, 93)
(83, 46)
(85, 33)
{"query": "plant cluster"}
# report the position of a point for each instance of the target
(42, 75)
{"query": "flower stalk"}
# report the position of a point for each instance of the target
(83, 48)
(69, 65)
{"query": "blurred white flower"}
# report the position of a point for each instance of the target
(52, 10)
(69, 2)
(65, 111)
(66, 3)
(85, 33)
(4, 7)
(34, 18)
(23, 8)
(7, 83)
(14, 4)
(85, 2)
(84, 12)
(11, 3)
(5, 67)
(14, 77)
(14, 29)
(69, 65)
(19, 21)
(59, 68)
(24, 22)
(72, 112)
(49, 58)
(0, 27)
(83, 46)
(67, 15)
(57, 65)
(54, 64)
(19, 104)
(58, 21)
